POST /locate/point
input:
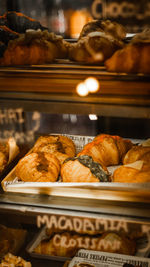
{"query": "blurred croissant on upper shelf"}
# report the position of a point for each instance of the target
(24, 41)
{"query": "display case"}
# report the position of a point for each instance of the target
(48, 223)
(34, 100)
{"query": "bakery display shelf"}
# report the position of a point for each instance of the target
(63, 77)
(102, 191)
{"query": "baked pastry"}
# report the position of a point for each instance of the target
(11, 260)
(106, 149)
(67, 244)
(98, 40)
(112, 28)
(96, 47)
(8, 151)
(137, 172)
(60, 146)
(34, 47)
(134, 57)
(4, 155)
(83, 169)
(19, 22)
(38, 167)
(137, 153)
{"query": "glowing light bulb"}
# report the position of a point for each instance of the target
(82, 89)
(93, 117)
(92, 84)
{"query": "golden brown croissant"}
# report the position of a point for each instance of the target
(4, 154)
(34, 47)
(128, 174)
(67, 244)
(112, 28)
(38, 167)
(83, 169)
(137, 153)
(60, 146)
(96, 47)
(107, 149)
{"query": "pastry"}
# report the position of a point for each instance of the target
(112, 28)
(60, 146)
(133, 58)
(98, 41)
(83, 169)
(67, 244)
(137, 172)
(137, 153)
(8, 151)
(19, 22)
(11, 260)
(34, 47)
(94, 48)
(106, 149)
(4, 155)
(38, 167)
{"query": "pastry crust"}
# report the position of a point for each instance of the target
(60, 146)
(137, 153)
(34, 47)
(83, 169)
(125, 174)
(112, 28)
(106, 149)
(38, 167)
(94, 48)
(108, 242)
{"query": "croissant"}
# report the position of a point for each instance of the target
(67, 244)
(137, 153)
(107, 149)
(83, 169)
(4, 154)
(34, 47)
(130, 174)
(60, 146)
(112, 28)
(38, 167)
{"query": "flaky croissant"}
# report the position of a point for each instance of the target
(60, 146)
(58, 244)
(34, 47)
(38, 167)
(137, 153)
(107, 149)
(83, 169)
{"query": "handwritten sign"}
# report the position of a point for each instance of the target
(18, 124)
(92, 227)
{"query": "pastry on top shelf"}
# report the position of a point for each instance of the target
(83, 169)
(107, 149)
(134, 57)
(112, 28)
(98, 40)
(38, 167)
(34, 47)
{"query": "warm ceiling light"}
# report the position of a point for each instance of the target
(92, 84)
(82, 89)
(93, 117)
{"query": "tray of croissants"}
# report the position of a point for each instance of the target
(62, 245)
(100, 42)
(74, 165)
